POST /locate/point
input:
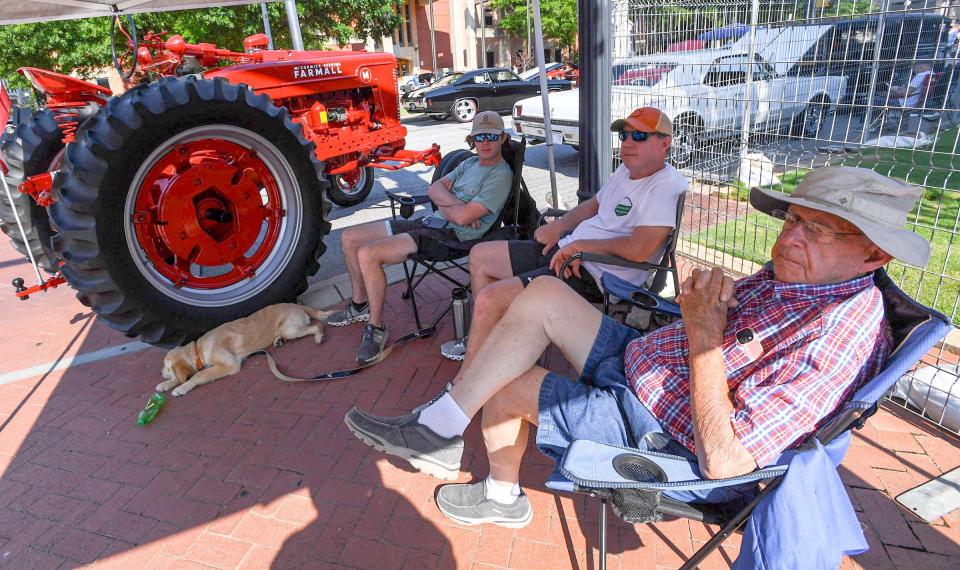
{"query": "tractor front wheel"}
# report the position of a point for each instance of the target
(30, 150)
(188, 203)
(351, 188)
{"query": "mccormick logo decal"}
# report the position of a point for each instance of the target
(316, 70)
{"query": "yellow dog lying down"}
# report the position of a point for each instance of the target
(221, 351)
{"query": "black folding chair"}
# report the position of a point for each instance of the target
(517, 220)
(634, 480)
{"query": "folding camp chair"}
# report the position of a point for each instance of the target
(668, 262)
(517, 220)
(635, 479)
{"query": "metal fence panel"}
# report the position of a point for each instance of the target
(761, 92)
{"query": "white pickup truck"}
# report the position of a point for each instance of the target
(704, 93)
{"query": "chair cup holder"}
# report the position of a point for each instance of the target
(638, 468)
(644, 299)
(406, 206)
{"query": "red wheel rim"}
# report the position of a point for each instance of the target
(207, 203)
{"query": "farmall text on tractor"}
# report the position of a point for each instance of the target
(196, 198)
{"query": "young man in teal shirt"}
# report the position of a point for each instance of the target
(468, 201)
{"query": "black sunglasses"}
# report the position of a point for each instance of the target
(490, 137)
(637, 136)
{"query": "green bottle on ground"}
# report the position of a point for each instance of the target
(150, 411)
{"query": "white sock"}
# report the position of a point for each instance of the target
(503, 493)
(445, 417)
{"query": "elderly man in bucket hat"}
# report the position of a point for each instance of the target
(630, 217)
(753, 367)
(468, 201)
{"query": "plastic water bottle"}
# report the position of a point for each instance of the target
(461, 313)
(150, 411)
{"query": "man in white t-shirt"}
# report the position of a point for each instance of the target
(911, 94)
(630, 217)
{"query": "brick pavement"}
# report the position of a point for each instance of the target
(249, 472)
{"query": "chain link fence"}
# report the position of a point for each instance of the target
(761, 92)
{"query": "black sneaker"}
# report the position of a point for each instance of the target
(408, 439)
(372, 344)
(468, 504)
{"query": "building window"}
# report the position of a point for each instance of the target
(490, 59)
(487, 17)
(408, 22)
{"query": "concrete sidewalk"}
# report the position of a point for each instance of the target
(249, 472)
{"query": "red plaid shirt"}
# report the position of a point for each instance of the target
(819, 343)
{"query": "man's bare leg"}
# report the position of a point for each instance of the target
(506, 424)
(489, 262)
(547, 312)
(350, 242)
(371, 257)
(489, 305)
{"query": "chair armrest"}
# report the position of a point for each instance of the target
(403, 198)
(550, 213)
(638, 296)
(593, 465)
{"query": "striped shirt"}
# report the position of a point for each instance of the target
(820, 342)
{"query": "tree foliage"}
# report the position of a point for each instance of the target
(84, 45)
(559, 19)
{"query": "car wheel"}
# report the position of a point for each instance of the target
(464, 110)
(684, 148)
(808, 123)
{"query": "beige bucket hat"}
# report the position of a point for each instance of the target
(877, 205)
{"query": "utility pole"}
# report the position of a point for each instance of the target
(528, 29)
(433, 41)
(483, 35)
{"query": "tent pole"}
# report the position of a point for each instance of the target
(545, 99)
(293, 22)
(266, 25)
(596, 70)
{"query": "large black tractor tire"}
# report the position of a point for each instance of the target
(126, 178)
(347, 192)
(450, 161)
(28, 151)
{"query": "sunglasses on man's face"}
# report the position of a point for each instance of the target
(490, 137)
(637, 136)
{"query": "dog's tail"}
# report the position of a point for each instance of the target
(318, 314)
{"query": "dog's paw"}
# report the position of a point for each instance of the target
(181, 390)
(319, 338)
(164, 386)
(278, 343)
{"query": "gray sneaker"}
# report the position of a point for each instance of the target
(468, 504)
(349, 315)
(455, 349)
(408, 439)
(371, 344)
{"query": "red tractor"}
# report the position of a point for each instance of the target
(194, 200)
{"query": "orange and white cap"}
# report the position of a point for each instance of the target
(646, 119)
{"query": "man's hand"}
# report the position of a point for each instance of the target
(564, 253)
(704, 299)
(549, 235)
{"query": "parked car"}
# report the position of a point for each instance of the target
(464, 94)
(555, 70)
(703, 92)
(415, 81)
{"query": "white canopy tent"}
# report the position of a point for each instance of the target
(29, 11)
